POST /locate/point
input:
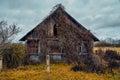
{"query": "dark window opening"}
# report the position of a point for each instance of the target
(80, 48)
(87, 48)
(55, 30)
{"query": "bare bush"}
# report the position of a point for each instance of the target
(13, 55)
(113, 58)
(99, 62)
(92, 63)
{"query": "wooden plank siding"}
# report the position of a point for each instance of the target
(59, 33)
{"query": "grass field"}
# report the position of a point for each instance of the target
(110, 48)
(58, 72)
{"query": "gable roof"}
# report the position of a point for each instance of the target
(60, 7)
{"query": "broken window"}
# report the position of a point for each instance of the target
(85, 48)
(54, 47)
(32, 46)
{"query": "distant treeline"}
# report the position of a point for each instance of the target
(109, 42)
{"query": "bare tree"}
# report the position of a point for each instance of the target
(6, 35)
(7, 32)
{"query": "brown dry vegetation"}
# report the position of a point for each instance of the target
(108, 48)
(58, 72)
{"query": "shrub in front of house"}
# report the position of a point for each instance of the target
(99, 62)
(113, 58)
(13, 55)
(90, 64)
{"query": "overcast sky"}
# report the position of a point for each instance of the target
(101, 17)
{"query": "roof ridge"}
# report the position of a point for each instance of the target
(57, 7)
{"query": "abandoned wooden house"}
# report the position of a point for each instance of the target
(60, 36)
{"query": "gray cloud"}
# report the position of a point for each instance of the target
(101, 17)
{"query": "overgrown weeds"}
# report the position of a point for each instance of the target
(57, 72)
(99, 62)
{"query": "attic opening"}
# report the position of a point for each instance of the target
(55, 32)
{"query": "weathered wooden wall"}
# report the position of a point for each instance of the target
(68, 33)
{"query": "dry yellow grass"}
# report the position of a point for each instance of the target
(58, 72)
(106, 48)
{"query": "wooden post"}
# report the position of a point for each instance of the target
(48, 63)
